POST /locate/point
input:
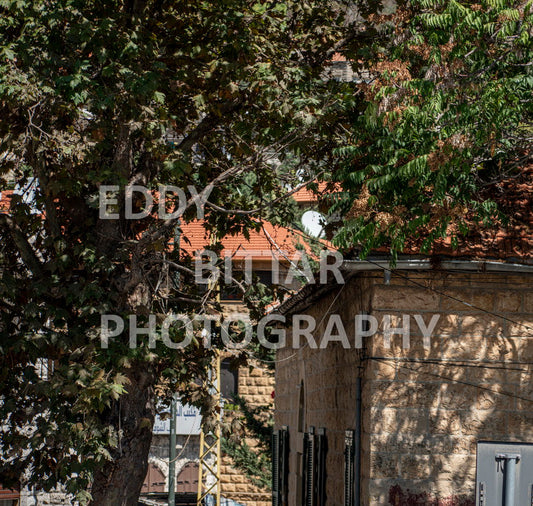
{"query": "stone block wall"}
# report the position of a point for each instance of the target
(237, 486)
(429, 406)
(424, 408)
(316, 387)
(256, 385)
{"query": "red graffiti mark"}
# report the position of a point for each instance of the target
(399, 497)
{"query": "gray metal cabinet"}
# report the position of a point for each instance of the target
(504, 474)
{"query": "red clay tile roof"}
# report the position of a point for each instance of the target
(258, 246)
(338, 57)
(307, 196)
(6, 494)
(511, 241)
(5, 200)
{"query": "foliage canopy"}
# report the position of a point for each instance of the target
(443, 109)
(226, 96)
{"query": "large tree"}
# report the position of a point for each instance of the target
(226, 96)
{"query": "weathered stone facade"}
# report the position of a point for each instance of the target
(238, 487)
(423, 408)
(256, 386)
(30, 497)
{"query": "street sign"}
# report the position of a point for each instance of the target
(188, 421)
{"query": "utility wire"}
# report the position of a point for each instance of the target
(473, 306)
(326, 312)
(462, 363)
(407, 278)
(454, 380)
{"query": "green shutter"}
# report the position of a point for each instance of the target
(349, 460)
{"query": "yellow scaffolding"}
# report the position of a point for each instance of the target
(209, 468)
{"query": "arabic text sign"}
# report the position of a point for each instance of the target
(188, 421)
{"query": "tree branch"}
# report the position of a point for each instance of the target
(207, 123)
(155, 234)
(21, 242)
(242, 212)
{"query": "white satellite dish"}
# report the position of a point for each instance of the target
(313, 223)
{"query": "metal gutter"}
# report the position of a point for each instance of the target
(444, 265)
(311, 292)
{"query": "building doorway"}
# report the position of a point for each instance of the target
(154, 481)
(187, 482)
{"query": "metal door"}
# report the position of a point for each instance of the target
(188, 479)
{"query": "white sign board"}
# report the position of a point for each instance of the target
(188, 421)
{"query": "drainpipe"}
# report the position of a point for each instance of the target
(357, 442)
(510, 460)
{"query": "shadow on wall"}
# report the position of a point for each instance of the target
(432, 406)
(398, 497)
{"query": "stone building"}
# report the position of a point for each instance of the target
(256, 386)
(412, 367)
(423, 405)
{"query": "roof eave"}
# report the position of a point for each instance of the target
(306, 296)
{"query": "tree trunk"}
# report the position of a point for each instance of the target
(119, 482)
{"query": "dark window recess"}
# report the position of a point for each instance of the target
(280, 466)
(263, 277)
(349, 463)
(233, 292)
(321, 453)
(314, 476)
(275, 468)
(229, 380)
(309, 467)
(301, 408)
